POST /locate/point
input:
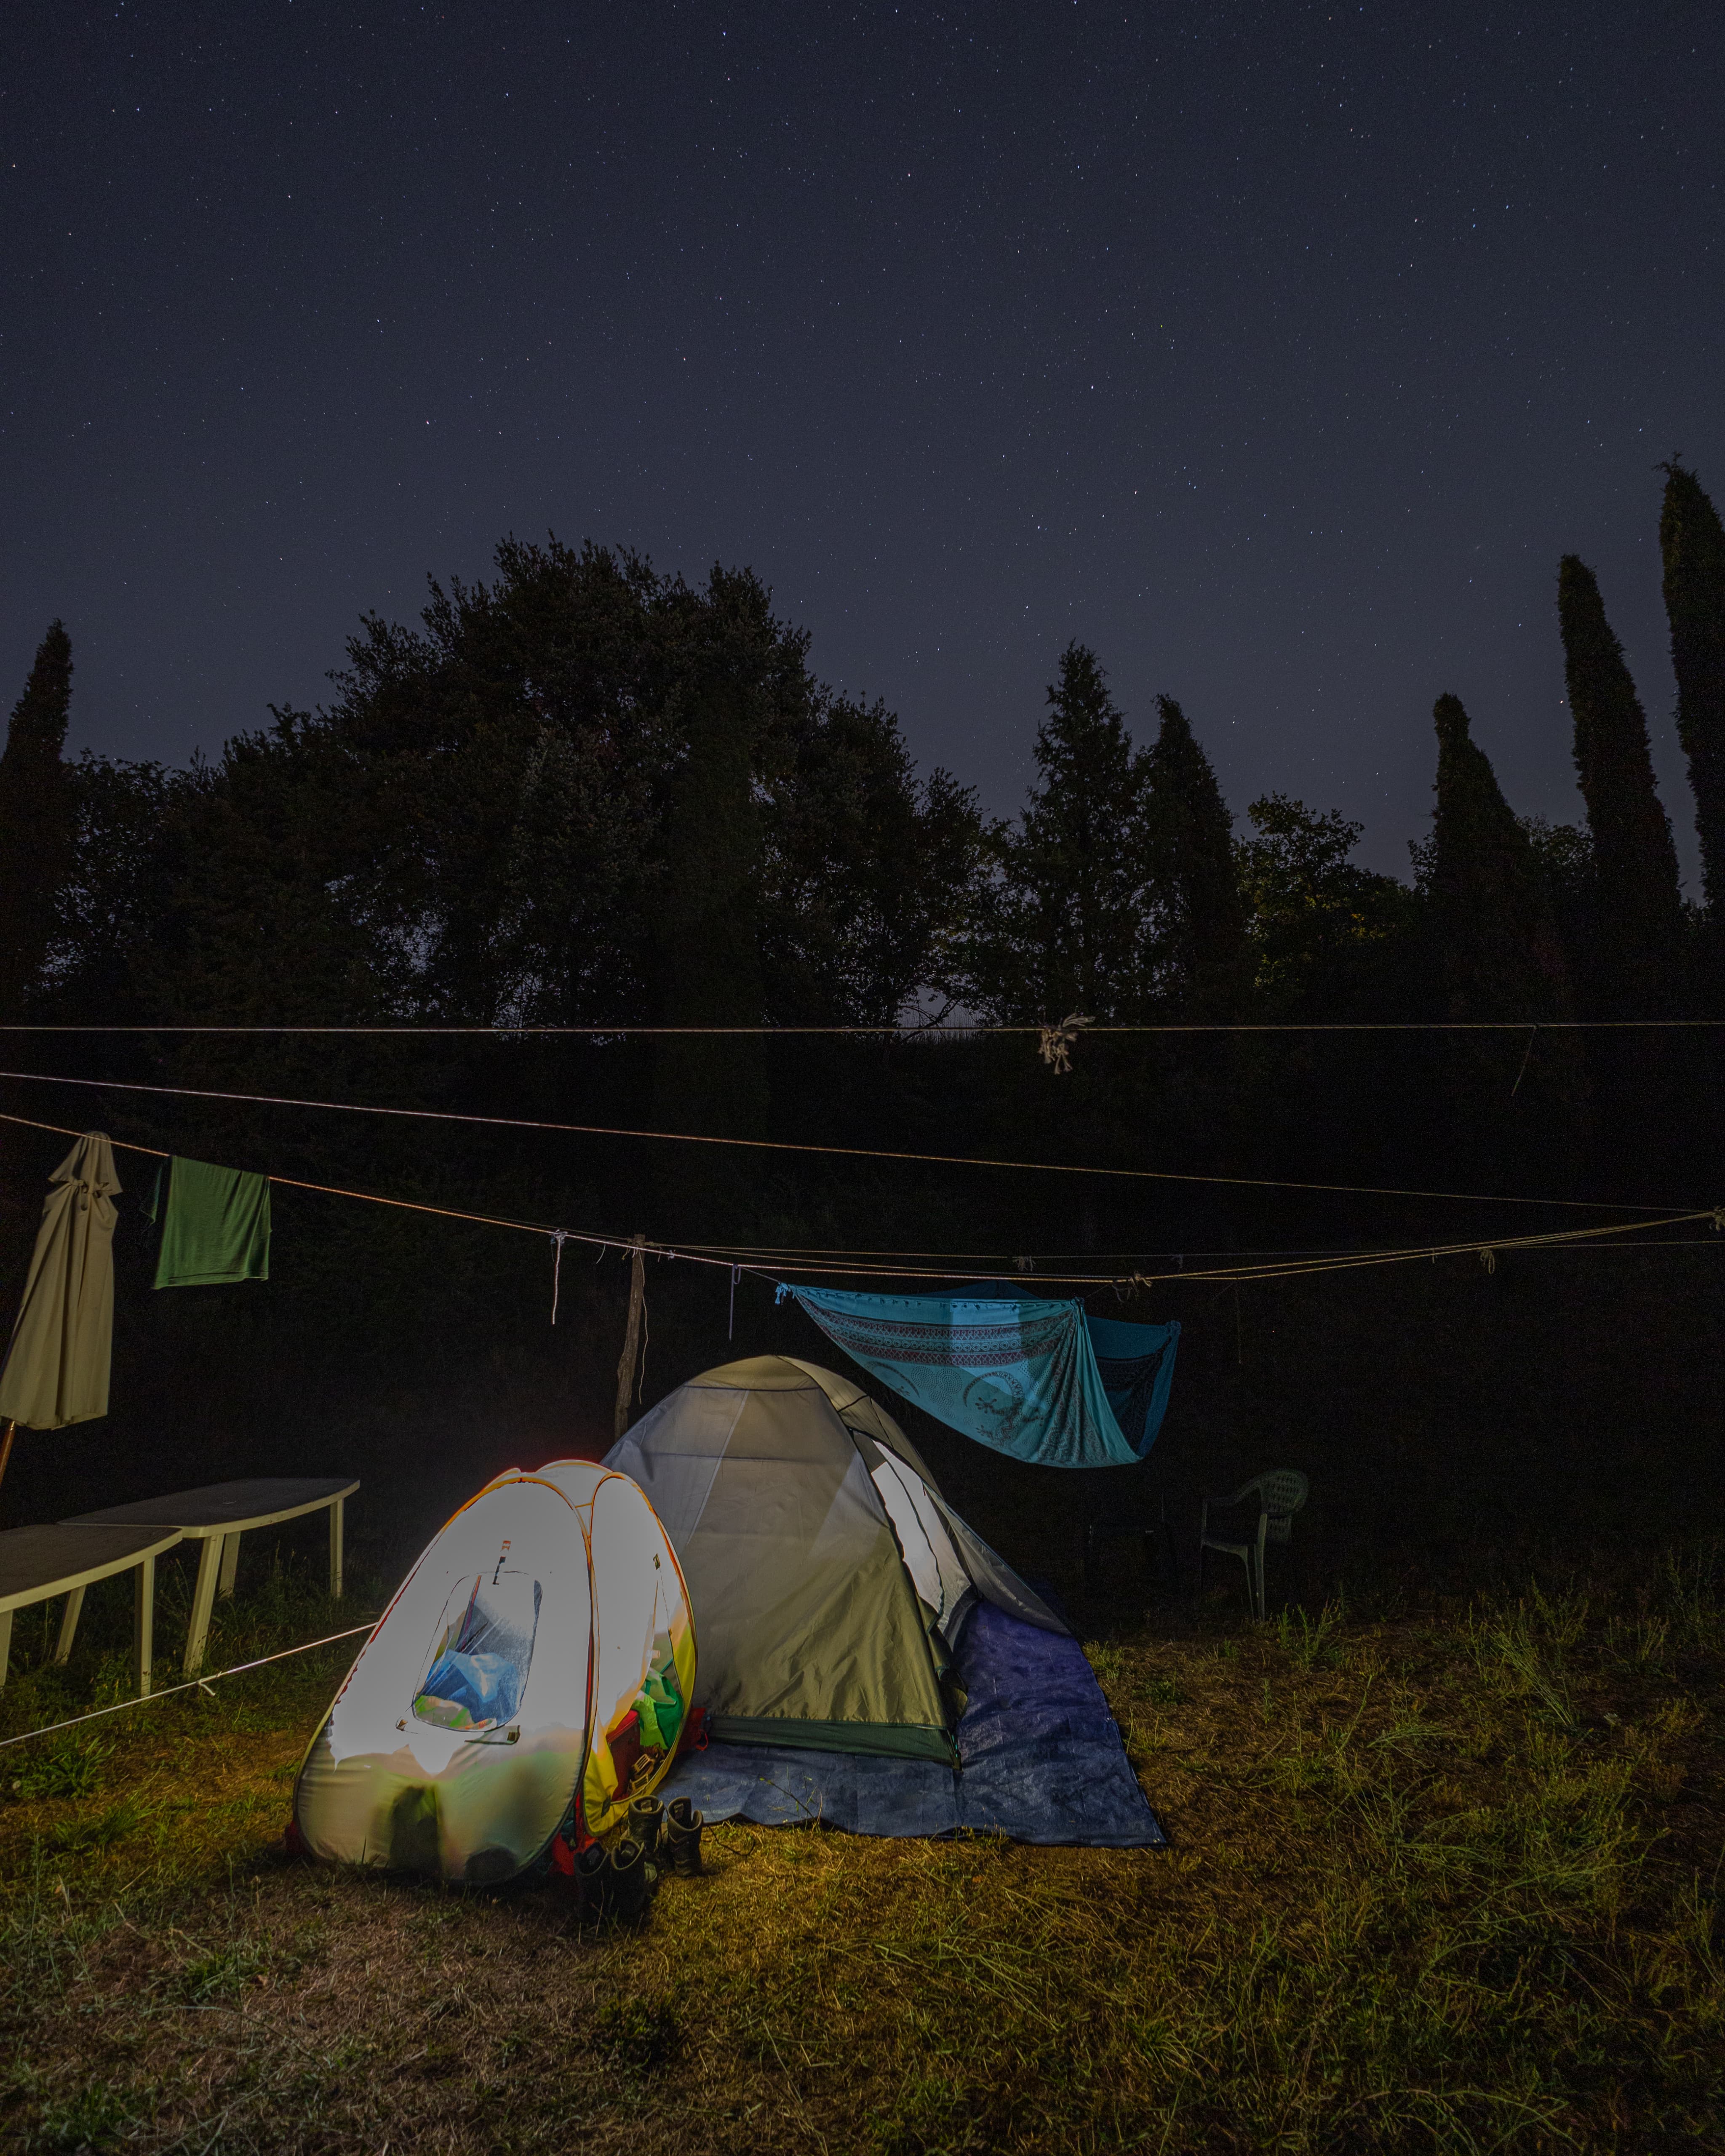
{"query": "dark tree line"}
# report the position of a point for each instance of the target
(583, 792)
(586, 792)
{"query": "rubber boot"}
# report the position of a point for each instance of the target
(682, 1833)
(646, 1816)
(592, 1880)
(626, 1882)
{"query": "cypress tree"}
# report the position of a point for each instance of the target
(1638, 930)
(1191, 836)
(1068, 934)
(1514, 1105)
(1692, 545)
(1498, 942)
(37, 819)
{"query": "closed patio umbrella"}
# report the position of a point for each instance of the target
(56, 1368)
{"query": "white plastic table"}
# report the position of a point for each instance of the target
(36, 1563)
(217, 1515)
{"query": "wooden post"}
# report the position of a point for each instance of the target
(336, 1513)
(632, 1335)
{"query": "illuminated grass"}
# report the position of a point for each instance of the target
(1435, 1886)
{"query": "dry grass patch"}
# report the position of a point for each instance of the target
(1447, 1886)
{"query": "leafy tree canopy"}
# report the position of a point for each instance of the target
(508, 814)
(1309, 906)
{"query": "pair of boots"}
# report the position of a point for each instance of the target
(615, 1882)
(682, 1836)
(619, 1882)
(677, 1830)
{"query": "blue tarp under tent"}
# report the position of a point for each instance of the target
(1041, 1760)
(1043, 1381)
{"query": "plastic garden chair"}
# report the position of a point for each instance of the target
(1279, 1494)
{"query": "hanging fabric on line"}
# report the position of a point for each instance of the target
(56, 1368)
(216, 1231)
(1043, 1381)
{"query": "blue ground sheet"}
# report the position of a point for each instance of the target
(1043, 1760)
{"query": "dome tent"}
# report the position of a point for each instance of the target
(540, 1648)
(829, 1578)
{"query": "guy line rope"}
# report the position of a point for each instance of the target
(192, 1684)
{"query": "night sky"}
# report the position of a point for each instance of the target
(1276, 351)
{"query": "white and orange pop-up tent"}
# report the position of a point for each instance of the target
(541, 1650)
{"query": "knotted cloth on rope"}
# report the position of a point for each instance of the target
(1043, 1381)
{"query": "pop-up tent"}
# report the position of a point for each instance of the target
(829, 1577)
(540, 1647)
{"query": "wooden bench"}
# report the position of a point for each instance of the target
(36, 1563)
(217, 1517)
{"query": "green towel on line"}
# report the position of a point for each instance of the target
(217, 1228)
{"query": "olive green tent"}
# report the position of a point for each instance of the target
(829, 1578)
(56, 1368)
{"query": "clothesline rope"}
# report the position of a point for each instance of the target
(936, 1030)
(996, 1263)
(192, 1684)
(1277, 1269)
(727, 1255)
(841, 1153)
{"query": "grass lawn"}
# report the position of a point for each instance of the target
(1447, 1882)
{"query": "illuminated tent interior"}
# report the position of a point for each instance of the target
(829, 1579)
(541, 1648)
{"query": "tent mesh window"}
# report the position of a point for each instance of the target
(477, 1668)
